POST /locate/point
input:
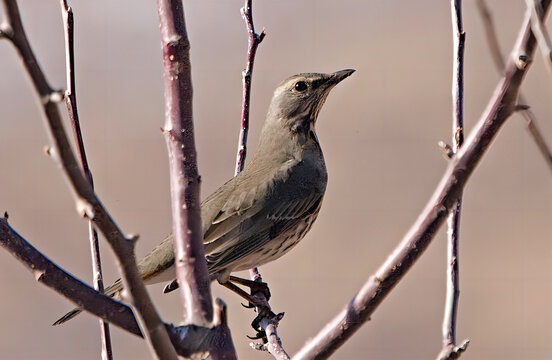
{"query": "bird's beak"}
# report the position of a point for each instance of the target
(338, 76)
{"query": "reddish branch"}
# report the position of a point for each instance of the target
(253, 41)
(359, 309)
(191, 267)
(530, 120)
(71, 102)
(450, 350)
(270, 325)
(86, 200)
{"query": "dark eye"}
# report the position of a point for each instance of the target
(300, 86)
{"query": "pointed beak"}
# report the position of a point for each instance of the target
(338, 76)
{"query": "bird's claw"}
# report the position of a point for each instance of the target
(248, 306)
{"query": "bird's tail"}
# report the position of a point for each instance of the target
(110, 291)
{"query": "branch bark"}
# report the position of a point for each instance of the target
(86, 200)
(449, 349)
(528, 116)
(539, 30)
(71, 102)
(502, 104)
(191, 267)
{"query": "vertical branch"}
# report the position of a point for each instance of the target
(449, 350)
(254, 41)
(270, 325)
(71, 102)
(86, 200)
(528, 116)
(191, 267)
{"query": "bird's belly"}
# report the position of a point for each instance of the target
(278, 246)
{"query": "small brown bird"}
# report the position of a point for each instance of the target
(264, 211)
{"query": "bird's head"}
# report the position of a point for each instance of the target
(298, 99)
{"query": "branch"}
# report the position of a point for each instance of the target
(51, 275)
(191, 267)
(268, 323)
(539, 30)
(449, 350)
(188, 340)
(71, 102)
(86, 200)
(530, 119)
(254, 40)
(359, 309)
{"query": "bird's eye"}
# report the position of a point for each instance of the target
(300, 86)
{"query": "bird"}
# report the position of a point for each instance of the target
(266, 209)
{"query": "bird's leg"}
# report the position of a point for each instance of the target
(254, 286)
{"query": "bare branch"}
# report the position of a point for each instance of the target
(530, 120)
(539, 30)
(267, 323)
(254, 40)
(359, 309)
(453, 288)
(188, 340)
(51, 275)
(71, 102)
(191, 267)
(86, 200)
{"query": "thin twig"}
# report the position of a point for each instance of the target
(71, 102)
(539, 30)
(373, 292)
(253, 41)
(86, 200)
(449, 349)
(530, 119)
(191, 267)
(270, 325)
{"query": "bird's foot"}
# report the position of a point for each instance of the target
(267, 315)
(253, 285)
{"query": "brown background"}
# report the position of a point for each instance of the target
(379, 131)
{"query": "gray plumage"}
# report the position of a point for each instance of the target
(265, 210)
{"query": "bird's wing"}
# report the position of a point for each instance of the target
(280, 220)
(239, 200)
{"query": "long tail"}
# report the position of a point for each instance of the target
(111, 291)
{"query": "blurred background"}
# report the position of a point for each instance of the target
(379, 131)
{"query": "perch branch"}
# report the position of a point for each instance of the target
(87, 202)
(191, 267)
(528, 116)
(449, 349)
(267, 323)
(71, 102)
(359, 309)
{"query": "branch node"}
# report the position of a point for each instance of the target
(522, 61)
(132, 238)
(84, 208)
(521, 107)
(447, 149)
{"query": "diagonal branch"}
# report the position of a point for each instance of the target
(359, 309)
(530, 119)
(191, 267)
(86, 200)
(71, 102)
(189, 340)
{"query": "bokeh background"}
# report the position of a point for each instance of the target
(379, 131)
